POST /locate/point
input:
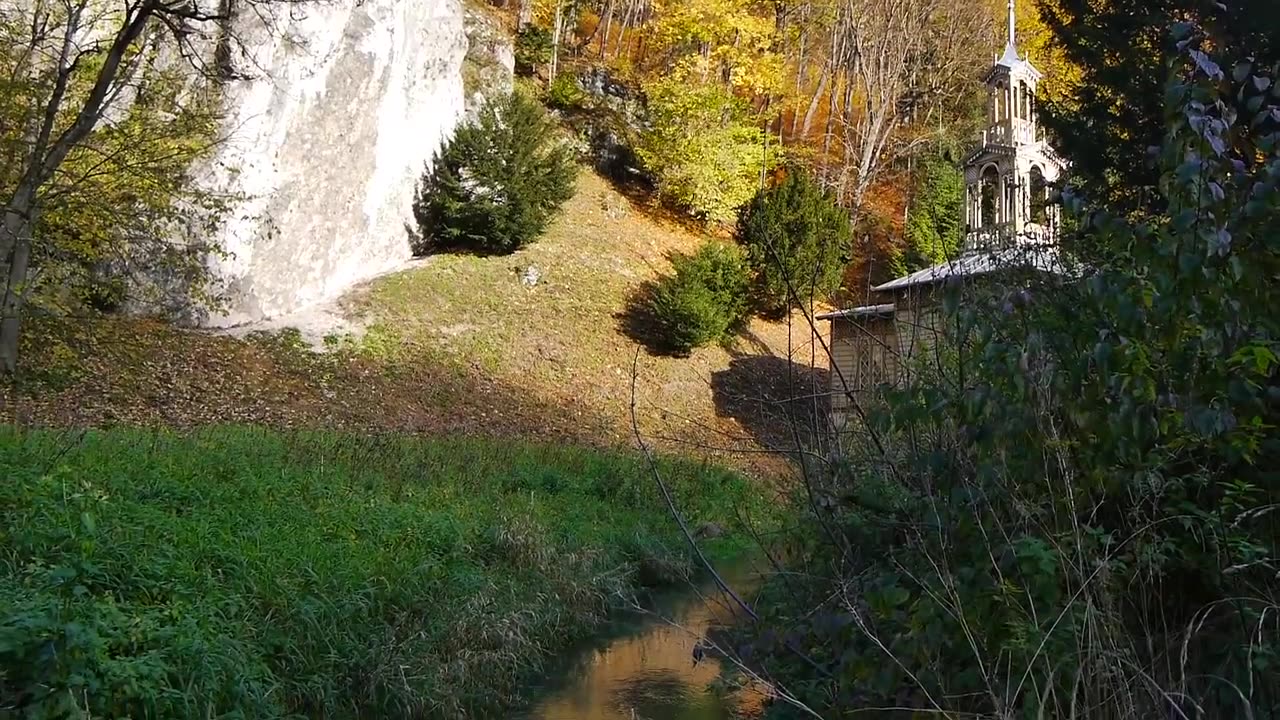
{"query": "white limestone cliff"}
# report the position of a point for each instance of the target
(344, 104)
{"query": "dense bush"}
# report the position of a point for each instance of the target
(1116, 112)
(1070, 509)
(246, 573)
(495, 186)
(564, 93)
(796, 236)
(700, 145)
(533, 48)
(704, 299)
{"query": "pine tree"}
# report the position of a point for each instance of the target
(705, 299)
(796, 236)
(496, 185)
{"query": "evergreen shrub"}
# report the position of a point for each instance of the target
(705, 298)
(533, 49)
(498, 183)
(794, 233)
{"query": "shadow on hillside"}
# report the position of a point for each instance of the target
(637, 321)
(132, 372)
(774, 399)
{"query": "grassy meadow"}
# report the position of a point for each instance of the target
(238, 572)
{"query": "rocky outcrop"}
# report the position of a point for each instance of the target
(488, 70)
(343, 105)
(610, 121)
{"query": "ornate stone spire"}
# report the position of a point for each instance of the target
(1013, 40)
(1010, 57)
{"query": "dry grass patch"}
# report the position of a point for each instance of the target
(456, 345)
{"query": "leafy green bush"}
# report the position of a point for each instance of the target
(702, 148)
(795, 235)
(704, 299)
(564, 93)
(496, 185)
(533, 49)
(1071, 513)
(243, 573)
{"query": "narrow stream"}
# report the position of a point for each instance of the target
(648, 671)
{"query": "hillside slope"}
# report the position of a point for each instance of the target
(457, 345)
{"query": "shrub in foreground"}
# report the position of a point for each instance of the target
(797, 236)
(496, 185)
(704, 299)
(1072, 514)
(245, 573)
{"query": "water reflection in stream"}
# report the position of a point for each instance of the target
(650, 672)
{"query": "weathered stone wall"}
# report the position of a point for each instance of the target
(344, 105)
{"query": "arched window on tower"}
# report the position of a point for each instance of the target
(990, 186)
(1039, 196)
(1025, 92)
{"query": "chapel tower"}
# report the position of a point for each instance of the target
(1007, 176)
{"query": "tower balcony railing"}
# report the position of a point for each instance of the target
(996, 135)
(1001, 236)
(1010, 132)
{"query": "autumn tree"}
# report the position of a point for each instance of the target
(904, 62)
(705, 140)
(98, 132)
(702, 147)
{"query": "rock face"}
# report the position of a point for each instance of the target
(488, 70)
(344, 104)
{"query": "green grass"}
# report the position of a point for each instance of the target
(238, 572)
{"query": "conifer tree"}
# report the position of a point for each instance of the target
(497, 184)
(705, 299)
(797, 238)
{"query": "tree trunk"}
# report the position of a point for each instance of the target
(800, 78)
(555, 40)
(18, 223)
(813, 106)
(846, 136)
(638, 25)
(829, 131)
(526, 14)
(608, 28)
(833, 67)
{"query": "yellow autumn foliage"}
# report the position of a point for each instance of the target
(109, 216)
